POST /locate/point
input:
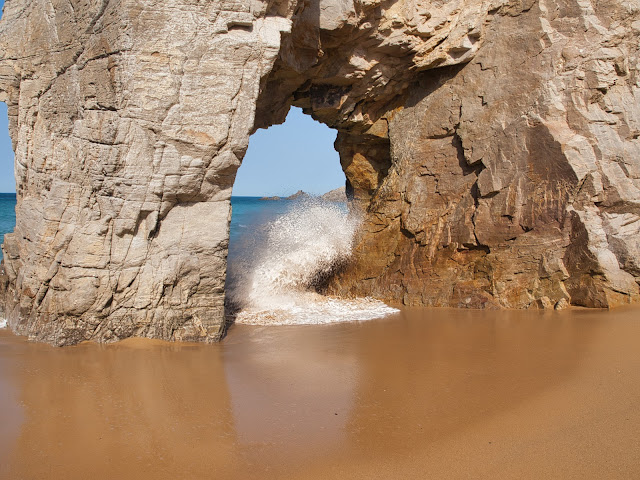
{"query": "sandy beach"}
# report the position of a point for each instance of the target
(426, 393)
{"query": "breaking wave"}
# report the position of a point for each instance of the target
(274, 280)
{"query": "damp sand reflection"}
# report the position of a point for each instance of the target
(427, 392)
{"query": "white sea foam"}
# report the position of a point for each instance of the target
(300, 248)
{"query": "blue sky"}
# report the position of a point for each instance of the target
(7, 182)
(297, 155)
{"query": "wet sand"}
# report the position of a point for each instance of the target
(422, 394)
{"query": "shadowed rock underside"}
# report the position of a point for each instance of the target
(493, 147)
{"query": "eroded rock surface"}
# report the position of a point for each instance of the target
(129, 120)
(493, 146)
(514, 178)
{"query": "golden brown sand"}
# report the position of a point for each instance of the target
(440, 394)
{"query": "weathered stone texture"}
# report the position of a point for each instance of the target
(514, 179)
(129, 120)
(493, 146)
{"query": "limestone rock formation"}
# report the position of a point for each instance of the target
(493, 146)
(514, 178)
(129, 120)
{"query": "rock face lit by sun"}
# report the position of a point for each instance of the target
(492, 148)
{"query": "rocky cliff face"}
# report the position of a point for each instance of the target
(514, 178)
(129, 120)
(493, 146)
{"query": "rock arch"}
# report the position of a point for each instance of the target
(493, 144)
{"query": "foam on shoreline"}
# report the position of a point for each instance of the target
(314, 309)
(275, 283)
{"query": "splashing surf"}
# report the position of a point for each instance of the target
(290, 257)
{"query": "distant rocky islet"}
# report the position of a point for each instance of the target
(336, 195)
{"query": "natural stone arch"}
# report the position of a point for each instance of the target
(472, 168)
(493, 146)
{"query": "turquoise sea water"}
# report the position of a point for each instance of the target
(7, 214)
(248, 212)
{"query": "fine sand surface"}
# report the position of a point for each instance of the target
(440, 394)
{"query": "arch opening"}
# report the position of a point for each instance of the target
(7, 179)
(291, 229)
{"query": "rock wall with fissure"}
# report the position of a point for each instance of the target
(493, 147)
